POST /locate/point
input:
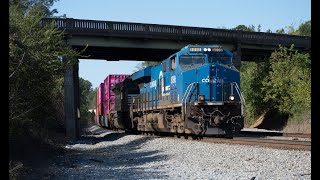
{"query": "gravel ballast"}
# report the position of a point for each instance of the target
(111, 155)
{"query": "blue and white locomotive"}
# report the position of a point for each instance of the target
(194, 91)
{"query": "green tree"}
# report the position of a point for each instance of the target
(269, 31)
(251, 28)
(281, 82)
(305, 28)
(85, 90)
(145, 64)
(280, 31)
(288, 85)
(263, 85)
(93, 98)
(244, 28)
(291, 30)
(259, 28)
(35, 70)
(32, 7)
(252, 75)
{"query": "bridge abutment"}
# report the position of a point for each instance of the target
(71, 102)
(237, 56)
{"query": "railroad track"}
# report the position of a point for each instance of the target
(271, 143)
(273, 133)
(249, 138)
(298, 135)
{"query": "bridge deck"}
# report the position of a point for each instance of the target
(182, 33)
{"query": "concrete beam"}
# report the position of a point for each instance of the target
(237, 56)
(71, 102)
(116, 42)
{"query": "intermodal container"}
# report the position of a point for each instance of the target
(109, 96)
(99, 114)
(100, 92)
(99, 102)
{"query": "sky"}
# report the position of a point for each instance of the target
(270, 14)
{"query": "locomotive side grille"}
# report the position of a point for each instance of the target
(130, 98)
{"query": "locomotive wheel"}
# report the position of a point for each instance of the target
(194, 137)
(186, 136)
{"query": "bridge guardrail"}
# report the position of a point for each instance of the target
(183, 32)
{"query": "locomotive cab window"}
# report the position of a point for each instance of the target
(173, 63)
(226, 60)
(164, 67)
(190, 62)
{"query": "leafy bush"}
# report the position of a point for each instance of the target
(282, 82)
(35, 72)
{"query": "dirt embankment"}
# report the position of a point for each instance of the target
(26, 153)
(273, 120)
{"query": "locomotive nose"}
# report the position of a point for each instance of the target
(213, 70)
(210, 88)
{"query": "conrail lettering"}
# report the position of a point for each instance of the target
(214, 80)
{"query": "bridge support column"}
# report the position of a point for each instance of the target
(71, 102)
(237, 56)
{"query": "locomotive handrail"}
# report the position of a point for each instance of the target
(186, 94)
(238, 91)
(188, 90)
(240, 95)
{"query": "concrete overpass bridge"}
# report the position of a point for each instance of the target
(114, 41)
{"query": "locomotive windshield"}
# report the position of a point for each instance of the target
(227, 60)
(189, 62)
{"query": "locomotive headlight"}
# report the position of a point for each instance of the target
(205, 49)
(201, 97)
(231, 98)
(209, 49)
(194, 49)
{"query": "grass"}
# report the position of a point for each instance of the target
(299, 123)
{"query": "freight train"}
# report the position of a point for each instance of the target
(194, 91)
